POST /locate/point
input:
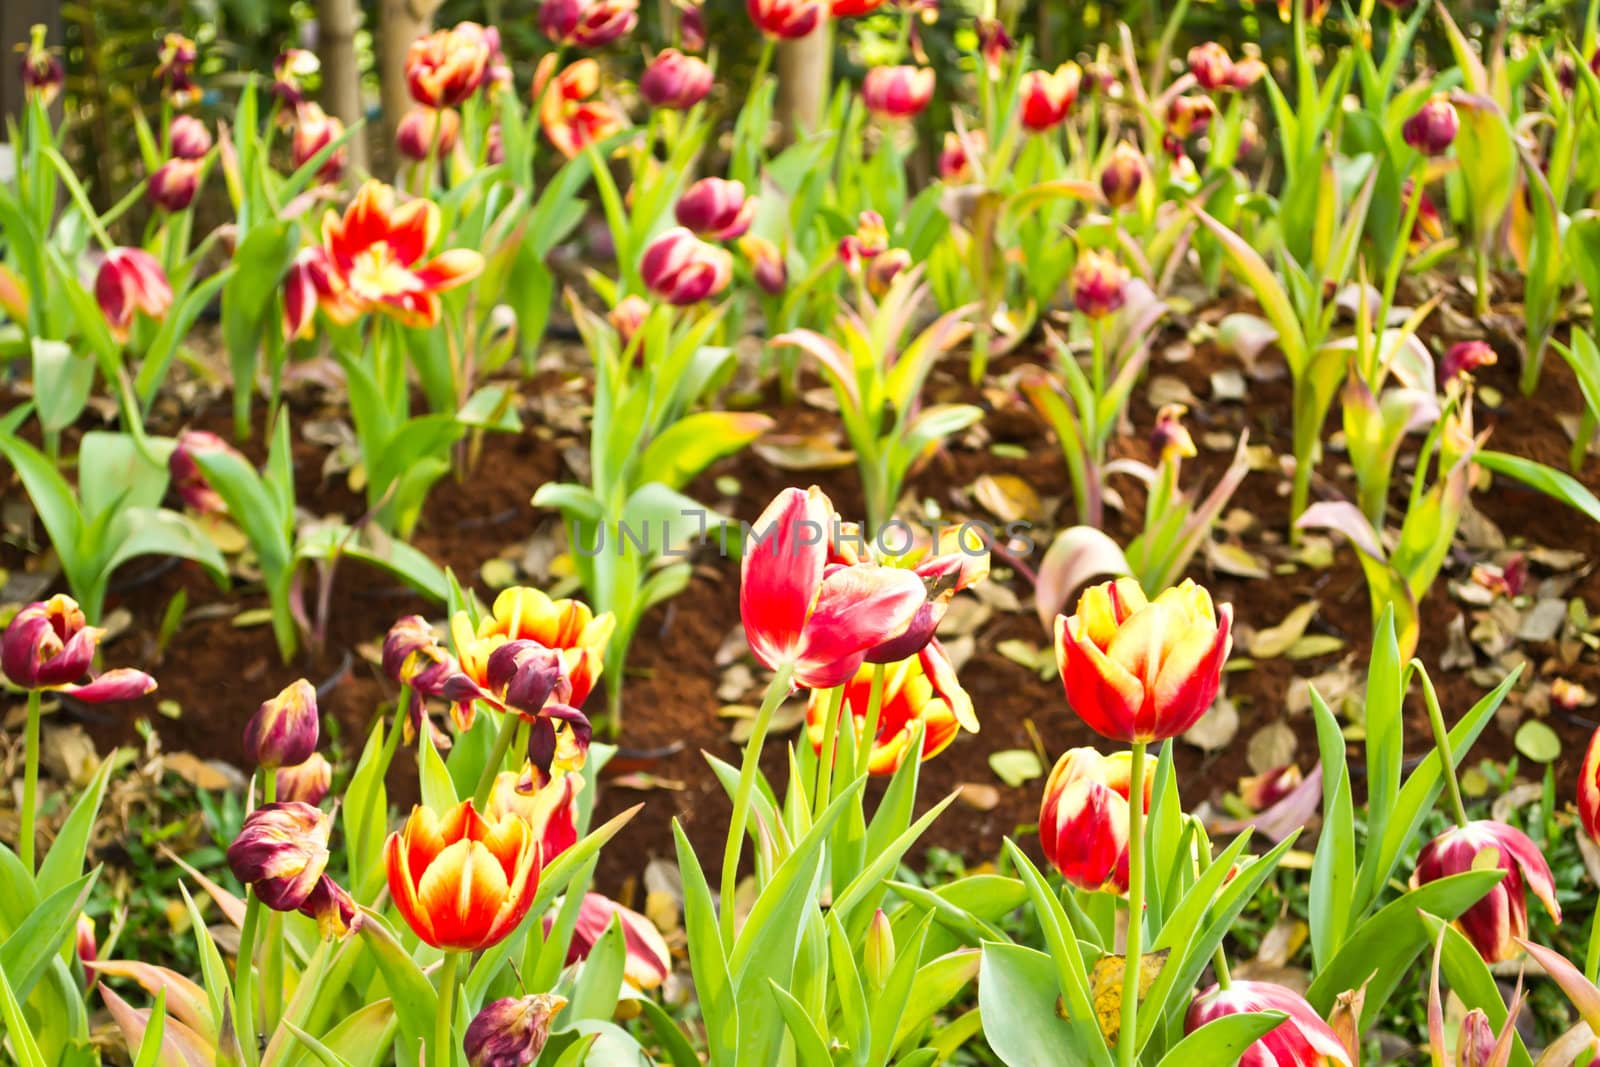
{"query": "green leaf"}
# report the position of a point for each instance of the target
(62, 379)
(1552, 483)
(599, 984)
(22, 1043)
(810, 1048)
(64, 862)
(438, 790)
(1221, 1042)
(33, 946)
(695, 441)
(416, 1002)
(708, 960)
(1017, 997)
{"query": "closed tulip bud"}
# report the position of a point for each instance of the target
(767, 265)
(284, 730)
(1432, 130)
(1143, 670)
(716, 209)
(682, 269)
(1099, 284)
(308, 782)
(130, 280)
(1495, 922)
(13, 294)
(188, 137)
(587, 23)
(444, 68)
(1301, 1040)
(174, 183)
(879, 951)
(786, 19)
(1123, 175)
(1047, 96)
(426, 132)
(87, 947)
(897, 92)
(188, 480)
(314, 130)
(676, 81)
(511, 1032)
(1475, 1046)
(42, 72)
(293, 68)
(648, 960)
(460, 880)
(1189, 116)
(1083, 820)
(1209, 63)
(628, 318)
(281, 853)
(692, 26)
(1463, 358)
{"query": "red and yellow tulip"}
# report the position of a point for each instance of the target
(521, 613)
(446, 67)
(1047, 96)
(571, 119)
(910, 696)
(130, 280)
(1083, 820)
(551, 810)
(1495, 922)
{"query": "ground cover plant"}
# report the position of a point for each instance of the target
(806, 531)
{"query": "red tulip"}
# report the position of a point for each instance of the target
(571, 120)
(444, 68)
(174, 69)
(284, 730)
(786, 19)
(587, 23)
(1209, 63)
(955, 164)
(281, 852)
(716, 209)
(994, 43)
(1188, 116)
(1099, 284)
(1301, 1040)
(308, 284)
(426, 132)
(648, 962)
(462, 881)
(628, 318)
(188, 480)
(188, 137)
(1083, 820)
(1589, 789)
(676, 81)
(129, 280)
(174, 183)
(1464, 357)
(1047, 96)
(682, 269)
(1432, 130)
(314, 130)
(49, 645)
(850, 8)
(897, 92)
(307, 782)
(1495, 922)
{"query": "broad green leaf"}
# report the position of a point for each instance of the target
(1017, 996)
(1222, 1042)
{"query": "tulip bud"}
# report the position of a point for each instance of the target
(1495, 922)
(954, 163)
(883, 269)
(188, 137)
(1171, 440)
(767, 264)
(426, 132)
(86, 946)
(308, 282)
(1433, 128)
(1099, 284)
(1463, 358)
(1589, 789)
(1083, 820)
(628, 318)
(48, 643)
(1209, 63)
(1188, 116)
(42, 73)
(512, 1032)
(994, 44)
(879, 951)
(676, 81)
(786, 19)
(897, 92)
(174, 68)
(281, 852)
(1124, 173)
(692, 27)
(715, 208)
(293, 68)
(173, 185)
(681, 269)
(314, 130)
(1475, 1046)
(872, 234)
(306, 783)
(1048, 96)
(587, 23)
(129, 280)
(187, 478)
(283, 732)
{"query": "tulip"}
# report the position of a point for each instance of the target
(188, 480)
(1138, 670)
(188, 137)
(879, 952)
(315, 130)
(1047, 96)
(1209, 63)
(87, 947)
(49, 645)
(461, 881)
(307, 782)
(1301, 1040)
(883, 269)
(691, 26)
(767, 265)
(628, 318)
(425, 133)
(994, 44)
(1463, 358)
(716, 209)
(955, 163)
(1475, 1044)
(1083, 820)
(648, 960)
(331, 906)
(42, 73)
(908, 698)
(841, 9)
(786, 19)
(587, 23)
(13, 294)
(682, 269)
(1123, 175)
(521, 613)
(1495, 922)
(376, 252)
(551, 810)
(530, 679)
(1188, 116)
(129, 280)
(512, 1031)
(1259, 792)
(675, 81)
(1313, 10)
(1429, 226)
(290, 72)
(1099, 284)
(444, 68)
(415, 659)
(281, 852)
(310, 282)
(284, 730)
(1245, 73)
(174, 66)
(897, 92)
(800, 613)
(1171, 438)
(571, 121)
(1433, 128)
(174, 183)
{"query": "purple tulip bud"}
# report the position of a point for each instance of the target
(284, 730)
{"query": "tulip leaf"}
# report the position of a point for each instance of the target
(1017, 998)
(1553, 483)
(545, 951)
(708, 960)
(22, 1042)
(810, 1049)
(325, 1055)
(151, 1045)
(32, 946)
(936, 984)
(687, 447)
(599, 984)
(62, 379)
(868, 886)
(1333, 871)
(64, 862)
(415, 1000)
(1471, 981)
(1222, 1042)
(438, 790)
(670, 1036)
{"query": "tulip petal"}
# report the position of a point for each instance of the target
(123, 683)
(403, 889)
(856, 608)
(780, 572)
(1099, 690)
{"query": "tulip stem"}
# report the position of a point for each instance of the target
(497, 759)
(1219, 963)
(828, 754)
(243, 992)
(269, 785)
(1441, 742)
(30, 784)
(777, 689)
(443, 1052)
(1128, 1036)
(869, 735)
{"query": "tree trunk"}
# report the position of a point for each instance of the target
(399, 23)
(803, 71)
(337, 21)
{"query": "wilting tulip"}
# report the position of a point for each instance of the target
(1259, 792)
(377, 253)
(767, 265)
(1475, 1043)
(314, 130)
(307, 782)
(188, 137)
(446, 67)
(1099, 284)
(908, 698)
(1564, 692)
(290, 72)
(426, 132)
(331, 906)
(682, 269)
(521, 613)
(551, 810)
(174, 183)
(1123, 175)
(1047, 96)
(786, 19)
(1245, 73)
(587, 23)
(676, 81)
(462, 881)
(994, 44)
(529, 679)
(648, 960)
(1170, 438)
(1209, 63)
(414, 658)
(1432, 130)
(188, 480)
(1501, 916)
(884, 268)
(571, 120)
(716, 209)
(1188, 116)
(1301, 1040)
(42, 72)
(281, 852)
(692, 26)
(174, 68)
(1138, 670)
(799, 612)
(1464, 357)
(512, 1031)
(310, 282)
(1083, 820)
(285, 729)
(129, 280)
(49, 645)
(897, 92)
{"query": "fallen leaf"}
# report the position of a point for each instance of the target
(1313, 645)
(1538, 742)
(1007, 497)
(1276, 640)
(1272, 746)
(977, 796)
(643, 781)
(803, 452)
(1015, 766)
(1227, 557)
(1164, 389)
(1543, 621)
(202, 774)
(1216, 728)
(1227, 384)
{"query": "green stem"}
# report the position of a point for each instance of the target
(874, 714)
(777, 689)
(497, 759)
(30, 784)
(1481, 279)
(244, 972)
(828, 754)
(1441, 742)
(1128, 1038)
(443, 1041)
(1219, 963)
(272, 976)
(269, 785)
